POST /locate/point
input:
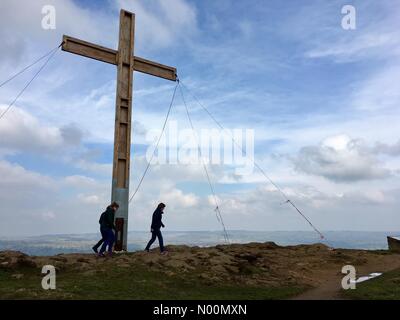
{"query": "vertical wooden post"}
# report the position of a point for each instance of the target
(122, 133)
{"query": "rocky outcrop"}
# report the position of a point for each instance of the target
(251, 264)
(16, 260)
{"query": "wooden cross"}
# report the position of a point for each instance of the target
(126, 63)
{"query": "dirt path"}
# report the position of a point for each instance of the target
(329, 290)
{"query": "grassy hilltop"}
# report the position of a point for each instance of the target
(246, 271)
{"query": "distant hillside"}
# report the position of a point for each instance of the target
(48, 245)
(240, 271)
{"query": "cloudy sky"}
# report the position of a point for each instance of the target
(323, 103)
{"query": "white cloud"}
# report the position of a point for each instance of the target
(23, 20)
(90, 199)
(21, 131)
(80, 181)
(103, 169)
(365, 45)
(33, 203)
(48, 215)
(389, 149)
(322, 35)
(180, 200)
(18, 180)
(340, 159)
(369, 197)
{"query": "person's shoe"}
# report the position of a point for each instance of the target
(101, 255)
(110, 254)
(95, 250)
(164, 253)
(147, 250)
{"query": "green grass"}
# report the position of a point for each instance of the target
(134, 283)
(385, 287)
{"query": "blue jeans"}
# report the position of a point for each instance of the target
(109, 238)
(156, 233)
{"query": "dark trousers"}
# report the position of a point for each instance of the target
(98, 244)
(156, 233)
(108, 238)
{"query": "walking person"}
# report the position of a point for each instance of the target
(96, 247)
(156, 225)
(107, 228)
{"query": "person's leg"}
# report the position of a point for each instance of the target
(111, 240)
(160, 241)
(98, 244)
(153, 238)
(105, 241)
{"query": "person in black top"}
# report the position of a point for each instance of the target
(96, 247)
(156, 225)
(107, 228)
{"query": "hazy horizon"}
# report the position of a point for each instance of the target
(82, 243)
(390, 232)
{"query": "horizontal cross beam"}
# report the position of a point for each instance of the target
(107, 55)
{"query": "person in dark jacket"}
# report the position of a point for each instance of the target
(96, 247)
(107, 228)
(156, 225)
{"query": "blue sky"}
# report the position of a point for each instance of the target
(323, 101)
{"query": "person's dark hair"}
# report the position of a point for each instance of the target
(161, 205)
(115, 205)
